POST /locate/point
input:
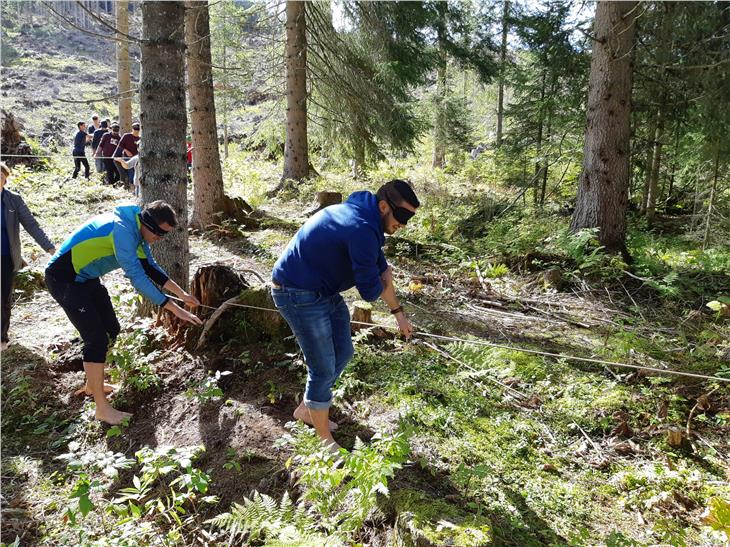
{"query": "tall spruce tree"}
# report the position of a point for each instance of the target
(164, 121)
(604, 182)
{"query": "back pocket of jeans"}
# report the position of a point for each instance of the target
(304, 298)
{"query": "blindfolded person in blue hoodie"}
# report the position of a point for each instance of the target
(337, 249)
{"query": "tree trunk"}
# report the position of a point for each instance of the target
(164, 120)
(207, 175)
(650, 135)
(651, 196)
(538, 150)
(603, 189)
(439, 150)
(663, 58)
(502, 63)
(124, 84)
(713, 193)
(296, 149)
(225, 103)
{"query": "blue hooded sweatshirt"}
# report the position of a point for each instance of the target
(337, 249)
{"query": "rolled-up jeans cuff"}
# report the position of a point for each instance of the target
(317, 405)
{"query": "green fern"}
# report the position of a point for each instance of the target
(338, 493)
(262, 519)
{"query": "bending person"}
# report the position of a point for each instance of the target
(338, 248)
(106, 242)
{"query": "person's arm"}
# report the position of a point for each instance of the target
(155, 272)
(33, 228)
(371, 281)
(102, 143)
(391, 300)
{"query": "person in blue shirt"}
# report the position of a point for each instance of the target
(337, 249)
(79, 150)
(119, 239)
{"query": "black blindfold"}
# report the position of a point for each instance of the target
(146, 219)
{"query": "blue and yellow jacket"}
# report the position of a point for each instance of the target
(105, 243)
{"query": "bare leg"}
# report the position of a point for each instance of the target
(95, 381)
(302, 413)
(86, 390)
(320, 421)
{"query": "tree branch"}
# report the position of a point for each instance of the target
(96, 34)
(103, 22)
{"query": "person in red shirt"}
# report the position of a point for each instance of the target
(107, 145)
(189, 143)
(128, 148)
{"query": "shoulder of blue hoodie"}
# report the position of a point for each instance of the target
(365, 248)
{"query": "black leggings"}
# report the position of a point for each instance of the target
(78, 162)
(8, 276)
(89, 308)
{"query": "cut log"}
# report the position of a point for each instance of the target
(362, 312)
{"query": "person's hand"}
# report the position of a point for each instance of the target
(404, 325)
(183, 314)
(51, 251)
(190, 300)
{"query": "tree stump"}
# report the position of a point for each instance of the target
(363, 312)
(325, 199)
(238, 209)
(553, 278)
(12, 140)
(235, 321)
(214, 284)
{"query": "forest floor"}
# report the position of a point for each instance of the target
(507, 448)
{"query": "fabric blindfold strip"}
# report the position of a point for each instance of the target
(401, 214)
(146, 218)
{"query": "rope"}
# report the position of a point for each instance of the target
(508, 347)
(60, 155)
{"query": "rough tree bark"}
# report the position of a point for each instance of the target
(124, 80)
(208, 194)
(603, 188)
(164, 120)
(296, 148)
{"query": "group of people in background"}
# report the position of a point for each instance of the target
(114, 154)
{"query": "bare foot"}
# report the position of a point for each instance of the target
(334, 447)
(111, 415)
(302, 414)
(86, 391)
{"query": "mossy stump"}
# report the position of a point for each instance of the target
(234, 322)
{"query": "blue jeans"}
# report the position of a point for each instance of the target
(321, 325)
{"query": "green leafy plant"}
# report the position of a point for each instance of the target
(207, 389)
(134, 366)
(717, 516)
(338, 491)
